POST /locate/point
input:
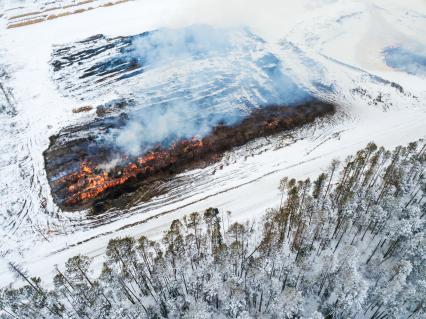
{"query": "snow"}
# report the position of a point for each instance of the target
(336, 43)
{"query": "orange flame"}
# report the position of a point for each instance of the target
(89, 182)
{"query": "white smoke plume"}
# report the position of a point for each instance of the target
(160, 126)
(209, 76)
(406, 59)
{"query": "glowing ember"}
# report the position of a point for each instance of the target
(105, 174)
(90, 182)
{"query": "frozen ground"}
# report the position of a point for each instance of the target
(336, 45)
(18, 13)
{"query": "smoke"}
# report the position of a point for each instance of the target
(161, 126)
(407, 60)
(271, 19)
(196, 78)
(195, 42)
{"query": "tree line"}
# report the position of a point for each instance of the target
(349, 244)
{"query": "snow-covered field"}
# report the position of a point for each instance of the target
(336, 45)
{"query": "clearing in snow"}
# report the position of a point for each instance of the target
(79, 70)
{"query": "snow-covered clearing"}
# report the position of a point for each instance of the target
(335, 43)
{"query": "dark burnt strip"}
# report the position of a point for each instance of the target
(83, 173)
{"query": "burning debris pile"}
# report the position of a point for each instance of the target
(81, 176)
(181, 97)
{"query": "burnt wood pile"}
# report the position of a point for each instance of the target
(82, 172)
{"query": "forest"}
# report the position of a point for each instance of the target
(349, 244)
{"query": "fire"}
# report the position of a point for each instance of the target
(86, 169)
(97, 176)
(91, 182)
(196, 142)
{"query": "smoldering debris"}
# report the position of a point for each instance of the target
(92, 176)
(185, 97)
